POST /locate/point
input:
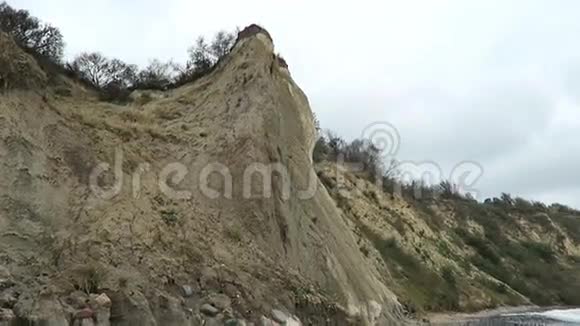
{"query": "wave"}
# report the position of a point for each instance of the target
(562, 315)
(566, 315)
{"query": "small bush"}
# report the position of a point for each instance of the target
(449, 276)
(170, 217)
(542, 251)
(448, 190)
(116, 93)
(321, 150)
(483, 248)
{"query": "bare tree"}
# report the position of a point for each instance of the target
(122, 74)
(101, 71)
(157, 75)
(47, 41)
(92, 67)
(30, 33)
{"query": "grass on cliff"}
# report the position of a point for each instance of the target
(421, 288)
(534, 269)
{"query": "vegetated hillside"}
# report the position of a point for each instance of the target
(455, 254)
(96, 217)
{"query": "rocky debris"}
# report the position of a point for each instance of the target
(209, 278)
(209, 310)
(8, 299)
(6, 315)
(216, 321)
(220, 301)
(131, 307)
(293, 321)
(186, 291)
(102, 307)
(235, 322)
(85, 314)
(6, 280)
(4, 273)
(77, 299)
(101, 300)
(264, 321)
(284, 319)
(279, 316)
(90, 308)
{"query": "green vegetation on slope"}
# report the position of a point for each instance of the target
(451, 253)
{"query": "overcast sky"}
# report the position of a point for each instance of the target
(496, 82)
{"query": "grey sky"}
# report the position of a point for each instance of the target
(497, 82)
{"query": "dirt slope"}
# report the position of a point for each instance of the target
(160, 233)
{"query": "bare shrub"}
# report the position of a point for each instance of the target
(102, 71)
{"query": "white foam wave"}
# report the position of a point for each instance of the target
(564, 315)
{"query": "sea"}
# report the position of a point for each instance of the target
(555, 317)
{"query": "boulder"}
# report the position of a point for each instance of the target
(6, 315)
(209, 310)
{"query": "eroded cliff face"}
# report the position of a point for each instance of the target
(167, 207)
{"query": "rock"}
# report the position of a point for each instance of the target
(8, 299)
(84, 314)
(293, 321)
(231, 291)
(6, 315)
(209, 278)
(209, 310)
(132, 307)
(220, 301)
(77, 299)
(6, 280)
(102, 300)
(5, 273)
(102, 305)
(267, 322)
(5, 284)
(186, 291)
(170, 311)
(216, 321)
(235, 322)
(279, 316)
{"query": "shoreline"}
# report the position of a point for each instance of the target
(459, 317)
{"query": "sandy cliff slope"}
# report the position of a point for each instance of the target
(162, 208)
(446, 252)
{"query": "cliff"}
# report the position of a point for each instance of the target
(201, 205)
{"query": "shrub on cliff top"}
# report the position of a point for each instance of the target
(29, 33)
